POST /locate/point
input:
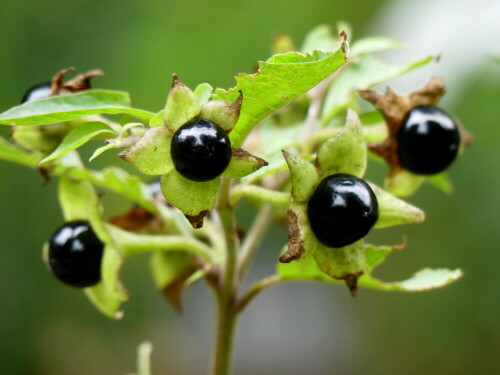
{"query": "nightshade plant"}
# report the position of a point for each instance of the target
(306, 135)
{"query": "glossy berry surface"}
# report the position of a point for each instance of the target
(428, 140)
(75, 254)
(342, 210)
(40, 91)
(201, 150)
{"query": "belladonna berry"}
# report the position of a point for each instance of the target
(75, 254)
(40, 91)
(200, 150)
(428, 140)
(342, 210)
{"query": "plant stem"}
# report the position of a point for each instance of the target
(254, 238)
(226, 314)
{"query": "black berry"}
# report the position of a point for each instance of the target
(201, 150)
(40, 91)
(428, 140)
(75, 254)
(342, 210)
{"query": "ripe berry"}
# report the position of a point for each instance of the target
(75, 254)
(428, 140)
(40, 91)
(342, 210)
(201, 150)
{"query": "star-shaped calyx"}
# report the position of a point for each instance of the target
(190, 148)
(396, 110)
(343, 156)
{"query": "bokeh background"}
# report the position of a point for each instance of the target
(47, 328)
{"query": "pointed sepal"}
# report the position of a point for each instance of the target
(182, 105)
(194, 199)
(304, 176)
(243, 163)
(151, 153)
(345, 152)
(222, 113)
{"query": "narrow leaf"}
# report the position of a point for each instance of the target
(78, 137)
(69, 107)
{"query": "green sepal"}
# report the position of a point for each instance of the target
(109, 293)
(78, 137)
(345, 152)
(44, 139)
(402, 183)
(394, 211)
(223, 113)
(301, 240)
(194, 199)
(346, 263)
(242, 164)
(304, 176)
(157, 119)
(182, 105)
(171, 271)
(151, 153)
(14, 154)
(203, 92)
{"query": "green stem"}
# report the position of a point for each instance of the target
(226, 314)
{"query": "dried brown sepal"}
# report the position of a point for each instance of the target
(196, 221)
(80, 82)
(395, 108)
(173, 291)
(240, 153)
(295, 243)
(138, 220)
(351, 281)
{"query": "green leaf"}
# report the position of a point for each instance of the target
(345, 152)
(276, 84)
(120, 182)
(373, 44)
(69, 107)
(14, 154)
(171, 271)
(362, 72)
(194, 199)
(260, 194)
(304, 176)
(307, 269)
(104, 148)
(182, 105)
(394, 211)
(151, 153)
(78, 137)
(203, 92)
(425, 279)
(242, 164)
(403, 183)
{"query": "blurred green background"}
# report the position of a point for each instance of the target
(47, 328)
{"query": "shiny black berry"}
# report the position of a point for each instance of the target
(428, 140)
(40, 91)
(75, 254)
(201, 150)
(342, 210)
